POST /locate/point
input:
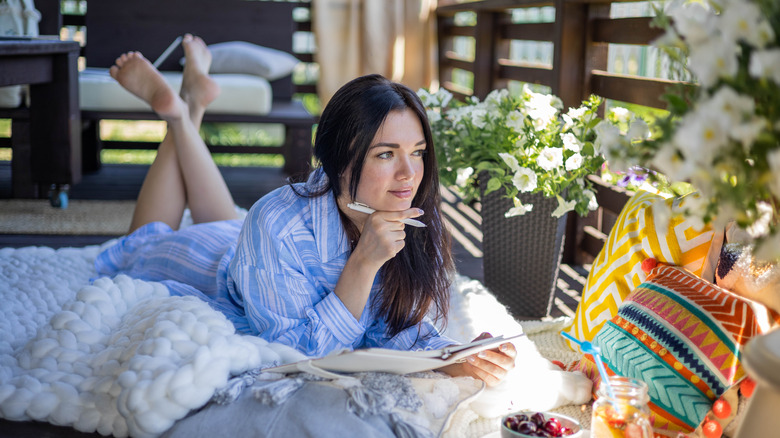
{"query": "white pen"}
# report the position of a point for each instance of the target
(363, 208)
(160, 59)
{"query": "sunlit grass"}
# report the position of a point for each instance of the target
(125, 156)
(5, 128)
(154, 131)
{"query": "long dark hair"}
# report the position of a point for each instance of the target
(417, 278)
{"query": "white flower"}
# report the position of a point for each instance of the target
(765, 34)
(550, 158)
(525, 179)
(515, 121)
(426, 98)
(701, 135)
(510, 161)
(456, 114)
(747, 132)
(577, 113)
(443, 96)
(563, 207)
(570, 142)
(662, 214)
(773, 160)
(769, 249)
(479, 118)
(568, 122)
(463, 176)
(433, 116)
(519, 209)
(574, 115)
(541, 108)
(620, 114)
(607, 136)
(695, 206)
(574, 162)
(495, 97)
(731, 104)
(692, 20)
(638, 130)
(669, 162)
(765, 64)
(593, 204)
(716, 58)
(760, 225)
(740, 21)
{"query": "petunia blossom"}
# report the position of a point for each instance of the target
(550, 158)
(765, 64)
(574, 162)
(570, 142)
(525, 179)
(510, 161)
(741, 22)
(519, 209)
(716, 58)
(463, 176)
(564, 207)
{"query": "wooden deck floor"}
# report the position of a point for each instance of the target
(247, 184)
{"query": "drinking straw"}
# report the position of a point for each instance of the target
(595, 351)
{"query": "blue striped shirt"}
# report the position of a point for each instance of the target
(274, 278)
(289, 257)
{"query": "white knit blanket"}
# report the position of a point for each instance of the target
(123, 358)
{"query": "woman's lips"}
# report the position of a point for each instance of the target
(402, 194)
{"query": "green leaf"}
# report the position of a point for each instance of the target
(493, 185)
(677, 104)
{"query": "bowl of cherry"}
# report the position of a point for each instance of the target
(539, 424)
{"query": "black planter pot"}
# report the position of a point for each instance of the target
(522, 254)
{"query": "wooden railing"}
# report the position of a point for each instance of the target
(580, 34)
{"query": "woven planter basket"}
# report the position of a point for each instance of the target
(522, 254)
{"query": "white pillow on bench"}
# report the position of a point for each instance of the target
(251, 59)
(239, 93)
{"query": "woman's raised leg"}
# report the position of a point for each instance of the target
(183, 172)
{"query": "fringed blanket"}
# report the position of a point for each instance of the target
(122, 357)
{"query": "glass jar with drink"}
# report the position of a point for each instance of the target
(621, 410)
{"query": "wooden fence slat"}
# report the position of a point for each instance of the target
(634, 30)
(528, 31)
(534, 74)
(635, 89)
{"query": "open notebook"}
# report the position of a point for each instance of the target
(389, 361)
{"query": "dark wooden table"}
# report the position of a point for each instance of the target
(46, 139)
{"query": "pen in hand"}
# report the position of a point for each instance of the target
(363, 208)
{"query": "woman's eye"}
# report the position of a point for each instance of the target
(420, 152)
(385, 155)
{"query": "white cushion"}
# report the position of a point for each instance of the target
(239, 94)
(247, 58)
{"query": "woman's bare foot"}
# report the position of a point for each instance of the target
(197, 88)
(138, 76)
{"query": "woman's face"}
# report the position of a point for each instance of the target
(393, 167)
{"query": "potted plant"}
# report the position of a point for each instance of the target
(526, 162)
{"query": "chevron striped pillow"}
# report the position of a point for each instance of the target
(636, 236)
(682, 336)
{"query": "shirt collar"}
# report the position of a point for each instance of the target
(329, 234)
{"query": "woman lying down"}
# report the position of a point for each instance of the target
(354, 257)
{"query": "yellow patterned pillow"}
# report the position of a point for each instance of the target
(618, 268)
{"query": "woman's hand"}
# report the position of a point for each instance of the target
(382, 236)
(490, 366)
